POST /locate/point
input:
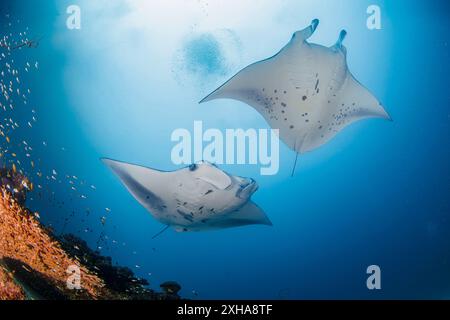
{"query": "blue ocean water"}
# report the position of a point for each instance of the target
(376, 194)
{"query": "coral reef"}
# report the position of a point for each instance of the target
(34, 264)
(23, 239)
(9, 290)
(120, 280)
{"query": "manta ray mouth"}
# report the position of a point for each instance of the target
(247, 189)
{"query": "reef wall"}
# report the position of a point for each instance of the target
(34, 264)
(9, 290)
(26, 246)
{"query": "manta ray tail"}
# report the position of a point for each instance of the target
(295, 165)
(297, 150)
(162, 231)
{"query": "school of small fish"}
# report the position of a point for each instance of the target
(20, 150)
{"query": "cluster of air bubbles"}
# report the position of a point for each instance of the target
(206, 56)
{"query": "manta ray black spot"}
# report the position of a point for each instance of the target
(304, 98)
(208, 192)
(185, 216)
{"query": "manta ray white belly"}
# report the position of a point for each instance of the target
(198, 198)
(306, 91)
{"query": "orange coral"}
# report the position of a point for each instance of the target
(23, 239)
(8, 289)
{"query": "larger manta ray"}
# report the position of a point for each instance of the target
(196, 198)
(306, 91)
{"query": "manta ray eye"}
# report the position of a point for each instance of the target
(193, 167)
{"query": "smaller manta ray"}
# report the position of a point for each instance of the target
(306, 91)
(196, 198)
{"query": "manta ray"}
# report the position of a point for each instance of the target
(199, 197)
(306, 91)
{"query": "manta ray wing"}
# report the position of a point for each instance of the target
(140, 182)
(248, 214)
(353, 103)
